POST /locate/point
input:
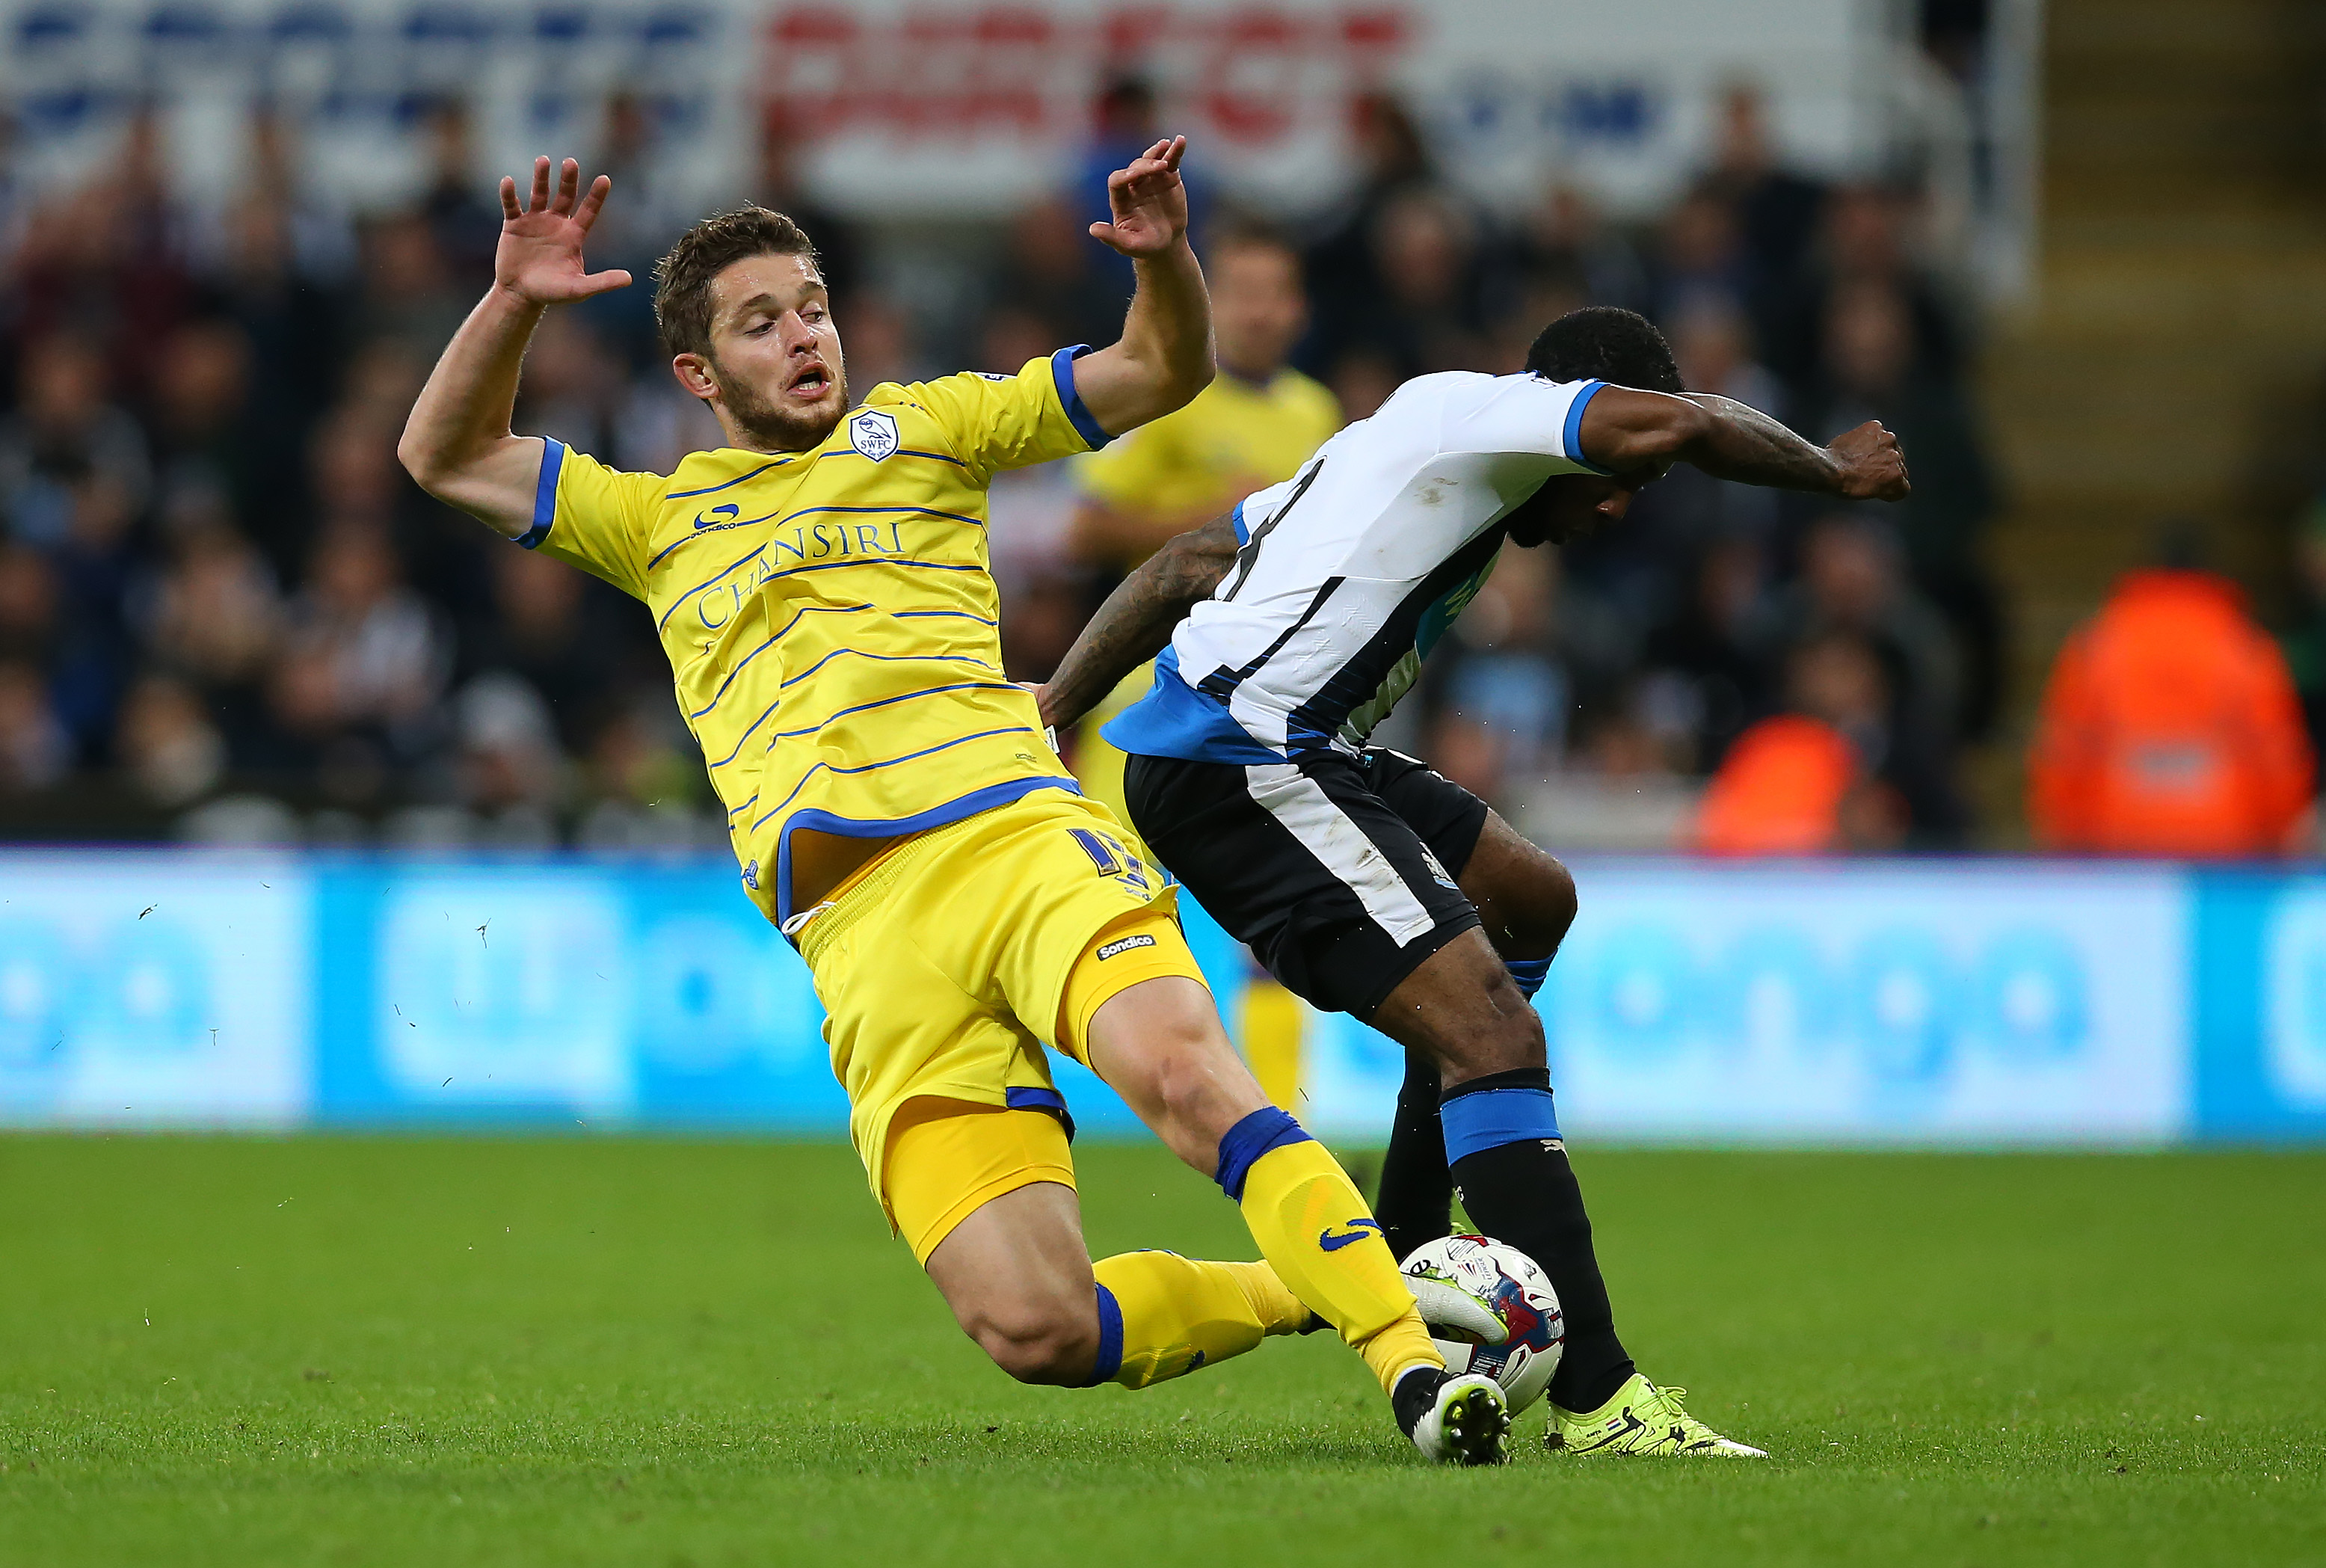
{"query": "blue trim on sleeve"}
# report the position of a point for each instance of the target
(1570, 437)
(1176, 720)
(1241, 1148)
(1029, 1098)
(1062, 370)
(969, 805)
(1243, 535)
(1529, 974)
(544, 492)
(1110, 1340)
(1490, 1118)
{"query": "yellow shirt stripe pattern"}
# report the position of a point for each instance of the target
(829, 616)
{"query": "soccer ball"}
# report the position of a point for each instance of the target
(1488, 1309)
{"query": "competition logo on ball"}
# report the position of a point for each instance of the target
(1490, 1309)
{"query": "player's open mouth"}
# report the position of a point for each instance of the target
(810, 384)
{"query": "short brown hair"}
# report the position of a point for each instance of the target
(682, 301)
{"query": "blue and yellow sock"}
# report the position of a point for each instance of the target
(1315, 1230)
(1161, 1316)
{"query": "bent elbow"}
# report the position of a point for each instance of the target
(418, 459)
(1177, 390)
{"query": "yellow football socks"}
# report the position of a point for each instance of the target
(1315, 1230)
(1178, 1313)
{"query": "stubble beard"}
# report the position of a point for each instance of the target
(768, 427)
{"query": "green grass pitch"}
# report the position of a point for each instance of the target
(578, 1351)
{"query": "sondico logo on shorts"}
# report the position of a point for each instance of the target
(1124, 945)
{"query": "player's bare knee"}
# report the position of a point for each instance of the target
(1536, 917)
(1034, 1344)
(1504, 1036)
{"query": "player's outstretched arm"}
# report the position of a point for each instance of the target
(1630, 432)
(1136, 620)
(457, 443)
(1165, 355)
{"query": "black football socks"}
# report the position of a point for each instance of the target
(1509, 1164)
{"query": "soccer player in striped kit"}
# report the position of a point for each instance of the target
(1366, 882)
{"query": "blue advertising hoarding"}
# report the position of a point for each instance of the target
(1964, 1004)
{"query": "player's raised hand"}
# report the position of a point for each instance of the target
(1149, 201)
(539, 257)
(1873, 468)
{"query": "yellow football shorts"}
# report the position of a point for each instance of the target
(944, 963)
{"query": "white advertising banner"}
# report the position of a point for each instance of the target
(2004, 1003)
(145, 990)
(913, 106)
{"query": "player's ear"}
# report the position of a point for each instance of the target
(693, 373)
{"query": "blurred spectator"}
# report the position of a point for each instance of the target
(2305, 643)
(839, 246)
(1805, 781)
(1431, 311)
(1851, 584)
(167, 744)
(1701, 261)
(413, 295)
(1125, 123)
(209, 451)
(1345, 276)
(644, 773)
(364, 661)
(66, 436)
(544, 626)
(2170, 726)
(35, 750)
(1504, 697)
(1048, 269)
(463, 217)
(1567, 247)
(28, 603)
(1871, 373)
(1776, 209)
(215, 619)
(512, 772)
(1708, 660)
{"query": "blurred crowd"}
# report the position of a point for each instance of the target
(226, 613)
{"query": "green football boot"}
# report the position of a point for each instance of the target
(1641, 1419)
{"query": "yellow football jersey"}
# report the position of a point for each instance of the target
(828, 615)
(1233, 429)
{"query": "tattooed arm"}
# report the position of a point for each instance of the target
(1136, 620)
(1626, 431)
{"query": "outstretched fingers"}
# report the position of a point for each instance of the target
(509, 208)
(540, 184)
(568, 182)
(587, 213)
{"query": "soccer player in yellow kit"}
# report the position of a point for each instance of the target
(820, 588)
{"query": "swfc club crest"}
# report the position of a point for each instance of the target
(873, 433)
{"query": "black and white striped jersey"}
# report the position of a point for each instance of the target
(1351, 568)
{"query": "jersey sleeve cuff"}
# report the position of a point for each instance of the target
(1062, 368)
(544, 492)
(1570, 437)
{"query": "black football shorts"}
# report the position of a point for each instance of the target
(1337, 870)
